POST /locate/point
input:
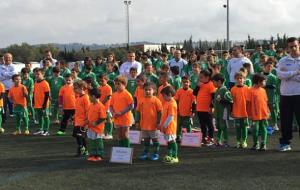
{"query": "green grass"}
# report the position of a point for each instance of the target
(48, 163)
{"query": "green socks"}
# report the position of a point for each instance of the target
(172, 149)
(124, 143)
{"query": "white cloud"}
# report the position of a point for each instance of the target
(103, 21)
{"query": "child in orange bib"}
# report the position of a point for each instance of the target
(169, 124)
(259, 111)
(120, 107)
(18, 94)
(148, 118)
(204, 93)
(96, 121)
(240, 96)
(82, 104)
(186, 107)
(41, 97)
(105, 98)
(66, 100)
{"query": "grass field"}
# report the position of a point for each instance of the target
(36, 162)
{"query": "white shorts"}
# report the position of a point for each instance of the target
(150, 134)
(92, 135)
(169, 138)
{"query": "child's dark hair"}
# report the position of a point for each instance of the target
(121, 79)
(147, 65)
(205, 73)
(243, 69)
(68, 75)
(75, 69)
(246, 65)
(25, 70)
(224, 52)
(47, 59)
(63, 62)
(95, 92)
(196, 65)
(168, 90)
(132, 69)
(185, 77)
(165, 66)
(15, 76)
(150, 85)
(216, 66)
(141, 77)
(258, 78)
(80, 84)
(55, 70)
(239, 74)
(36, 70)
(164, 75)
(218, 77)
(103, 76)
(88, 80)
(271, 61)
(175, 70)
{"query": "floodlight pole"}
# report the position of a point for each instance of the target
(127, 4)
(227, 27)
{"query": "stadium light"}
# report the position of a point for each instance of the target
(226, 6)
(127, 4)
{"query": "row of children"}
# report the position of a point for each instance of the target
(203, 99)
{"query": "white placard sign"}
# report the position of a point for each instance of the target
(121, 155)
(191, 139)
(135, 137)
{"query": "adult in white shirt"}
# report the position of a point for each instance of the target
(236, 63)
(178, 61)
(48, 55)
(7, 70)
(288, 71)
(131, 62)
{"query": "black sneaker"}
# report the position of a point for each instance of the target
(263, 147)
(255, 147)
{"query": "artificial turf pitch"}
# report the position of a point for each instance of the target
(35, 162)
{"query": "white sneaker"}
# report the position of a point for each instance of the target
(1, 129)
(46, 133)
(107, 137)
(36, 122)
(39, 132)
(276, 128)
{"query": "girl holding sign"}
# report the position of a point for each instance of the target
(169, 124)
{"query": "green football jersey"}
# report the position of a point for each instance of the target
(48, 73)
(176, 82)
(55, 84)
(64, 72)
(99, 69)
(29, 84)
(152, 78)
(194, 80)
(131, 86)
(219, 106)
(111, 77)
(271, 87)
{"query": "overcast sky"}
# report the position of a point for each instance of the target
(103, 21)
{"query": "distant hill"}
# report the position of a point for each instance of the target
(78, 46)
